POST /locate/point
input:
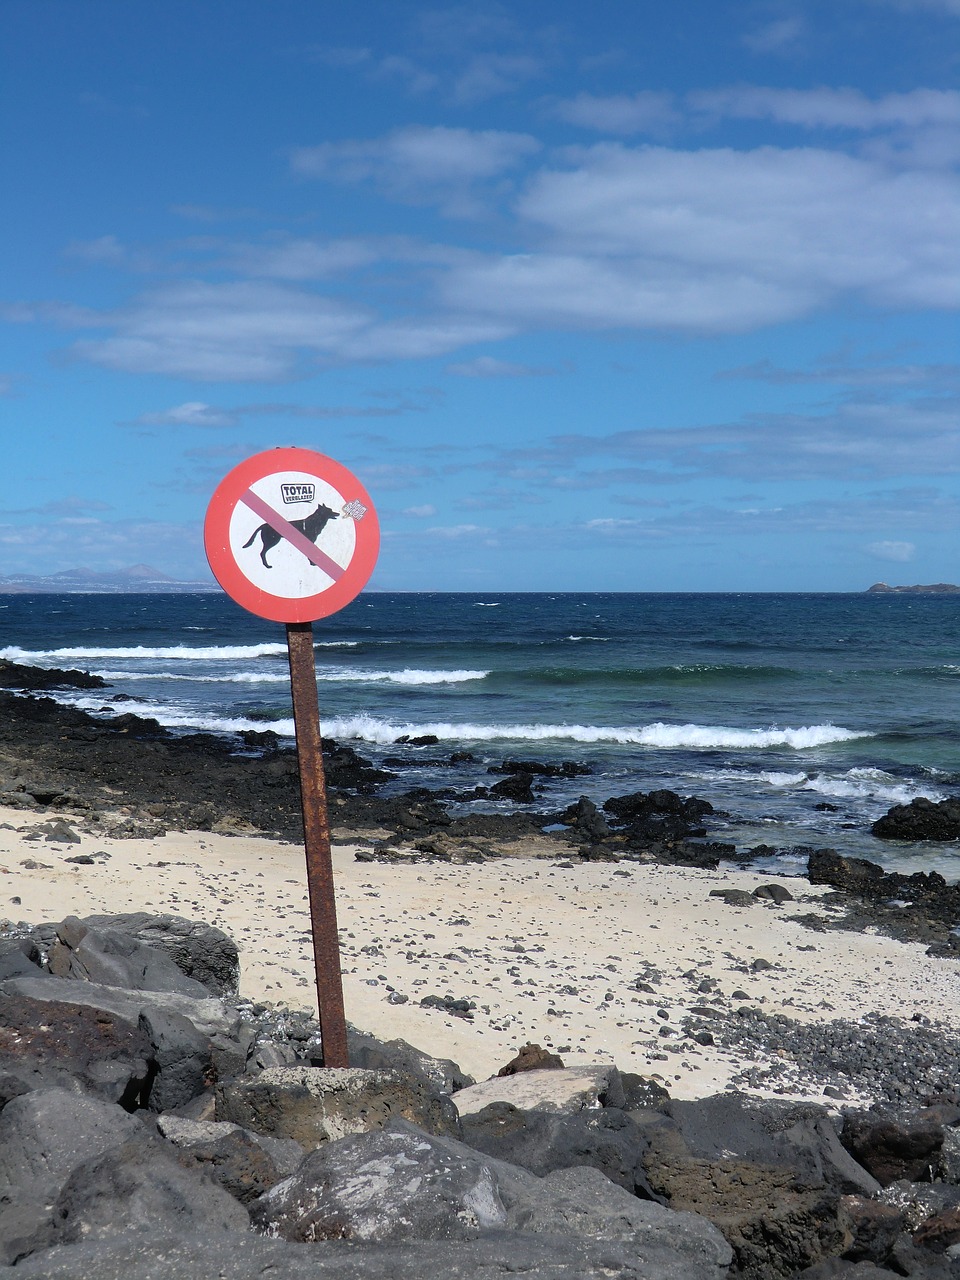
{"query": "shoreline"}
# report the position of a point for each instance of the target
(517, 936)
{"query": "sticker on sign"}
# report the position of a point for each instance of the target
(291, 535)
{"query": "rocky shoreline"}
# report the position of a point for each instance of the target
(128, 776)
(152, 1124)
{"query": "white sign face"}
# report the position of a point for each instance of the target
(315, 509)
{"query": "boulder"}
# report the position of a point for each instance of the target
(568, 1090)
(314, 1105)
(921, 819)
(138, 1188)
(532, 1058)
(199, 950)
(892, 1149)
(44, 1136)
(230, 1037)
(541, 1142)
(18, 956)
(491, 1257)
(402, 1183)
(245, 1164)
(441, 1074)
(114, 958)
(52, 1044)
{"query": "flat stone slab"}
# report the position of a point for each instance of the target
(568, 1090)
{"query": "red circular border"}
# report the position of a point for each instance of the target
(216, 537)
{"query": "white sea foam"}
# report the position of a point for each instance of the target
(185, 653)
(373, 729)
(853, 784)
(339, 675)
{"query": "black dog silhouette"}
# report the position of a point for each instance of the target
(310, 526)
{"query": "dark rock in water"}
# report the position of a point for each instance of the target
(890, 1149)
(532, 1057)
(199, 950)
(566, 769)
(586, 820)
(15, 675)
(518, 787)
(921, 819)
(826, 866)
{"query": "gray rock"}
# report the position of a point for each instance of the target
(385, 1186)
(44, 1136)
(199, 950)
(314, 1105)
(795, 1135)
(141, 1187)
(243, 1163)
(403, 1183)
(116, 959)
(50, 1044)
(489, 1258)
(229, 1036)
(544, 1141)
(441, 1074)
(182, 1057)
(18, 955)
(569, 1090)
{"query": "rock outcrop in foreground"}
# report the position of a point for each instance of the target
(150, 1127)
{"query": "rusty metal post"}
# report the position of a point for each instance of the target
(316, 839)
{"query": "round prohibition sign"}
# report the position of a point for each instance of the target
(291, 535)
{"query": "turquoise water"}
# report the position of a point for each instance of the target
(766, 705)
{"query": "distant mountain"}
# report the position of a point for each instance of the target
(934, 589)
(141, 578)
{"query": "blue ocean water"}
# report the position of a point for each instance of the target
(767, 705)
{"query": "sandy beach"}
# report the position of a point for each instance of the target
(546, 950)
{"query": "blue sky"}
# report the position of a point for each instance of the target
(627, 296)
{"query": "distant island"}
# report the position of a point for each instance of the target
(138, 578)
(933, 589)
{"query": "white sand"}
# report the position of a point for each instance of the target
(518, 936)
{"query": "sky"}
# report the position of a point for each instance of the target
(629, 296)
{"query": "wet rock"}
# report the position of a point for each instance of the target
(921, 819)
(16, 675)
(518, 787)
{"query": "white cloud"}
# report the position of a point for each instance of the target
(490, 367)
(419, 163)
(192, 413)
(899, 552)
(645, 112)
(781, 35)
(421, 513)
(237, 331)
(832, 108)
(719, 240)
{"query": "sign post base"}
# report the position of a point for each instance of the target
(316, 839)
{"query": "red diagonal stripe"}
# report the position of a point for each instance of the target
(292, 535)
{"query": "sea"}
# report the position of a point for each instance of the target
(802, 717)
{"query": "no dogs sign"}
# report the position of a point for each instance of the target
(291, 535)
